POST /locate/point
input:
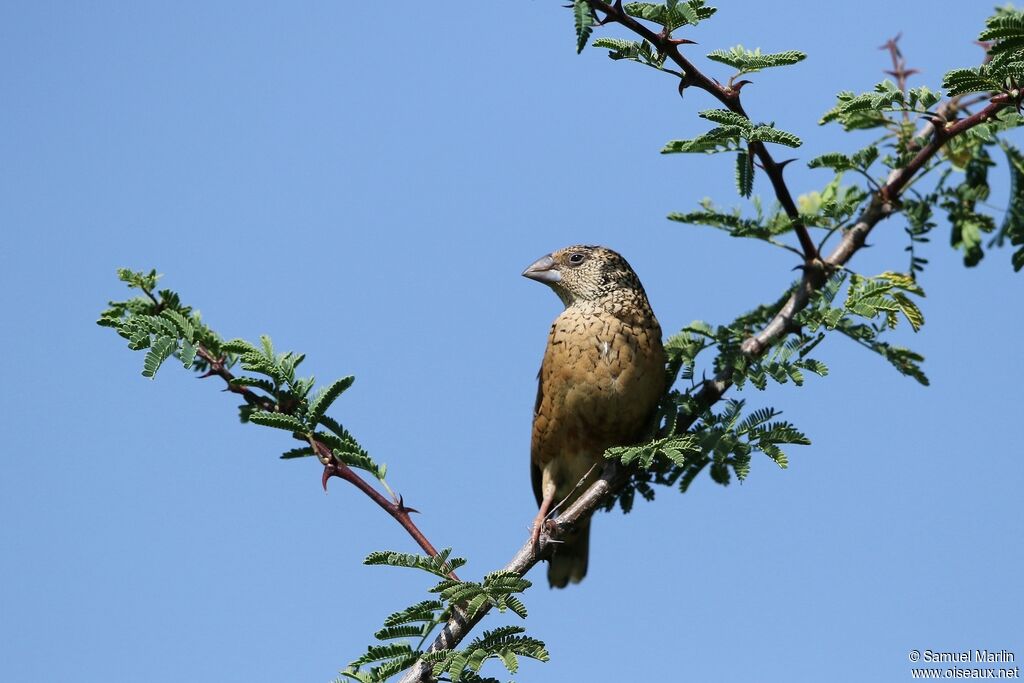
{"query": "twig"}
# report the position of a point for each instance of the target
(883, 203)
(459, 626)
(730, 97)
(941, 133)
(332, 466)
(899, 68)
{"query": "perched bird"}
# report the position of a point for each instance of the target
(602, 376)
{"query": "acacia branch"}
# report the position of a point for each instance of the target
(460, 624)
(332, 466)
(899, 69)
(883, 203)
(730, 97)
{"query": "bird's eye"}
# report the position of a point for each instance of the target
(576, 258)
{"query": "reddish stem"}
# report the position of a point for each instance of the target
(730, 97)
(332, 466)
(942, 133)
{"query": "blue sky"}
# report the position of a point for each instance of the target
(366, 185)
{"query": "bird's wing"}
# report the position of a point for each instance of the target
(535, 474)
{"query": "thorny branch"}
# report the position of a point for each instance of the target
(730, 97)
(883, 203)
(899, 69)
(332, 466)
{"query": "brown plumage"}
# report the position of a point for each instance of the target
(602, 376)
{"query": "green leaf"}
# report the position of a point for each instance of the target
(159, 325)
(960, 203)
(744, 173)
(377, 653)
(815, 366)
(505, 643)
(680, 14)
(869, 110)
(750, 61)
(319, 405)
(676, 449)
(726, 117)
(910, 310)
(257, 362)
(426, 611)
(641, 52)
(161, 350)
(771, 134)
(439, 565)
(685, 10)
(301, 452)
(184, 329)
(776, 454)
(187, 354)
(140, 339)
(354, 456)
(139, 279)
(1005, 24)
(1012, 228)
(619, 48)
(906, 361)
(723, 138)
(834, 160)
(239, 346)
(277, 421)
(255, 382)
(393, 632)
(1005, 30)
(584, 19)
(516, 606)
(964, 81)
(733, 223)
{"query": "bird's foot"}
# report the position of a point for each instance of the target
(545, 527)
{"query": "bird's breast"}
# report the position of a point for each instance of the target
(604, 372)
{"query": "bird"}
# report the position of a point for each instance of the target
(600, 382)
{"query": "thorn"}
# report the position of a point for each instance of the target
(328, 473)
(736, 87)
(782, 164)
(681, 41)
(402, 508)
(891, 43)
(682, 86)
(208, 373)
(906, 73)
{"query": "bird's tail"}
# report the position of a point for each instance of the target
(569, 562)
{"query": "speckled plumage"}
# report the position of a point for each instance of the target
(600, 381)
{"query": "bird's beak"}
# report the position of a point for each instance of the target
(543, 270)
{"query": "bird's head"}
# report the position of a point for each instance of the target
(585, 273)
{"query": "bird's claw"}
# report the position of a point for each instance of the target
(546, 527)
